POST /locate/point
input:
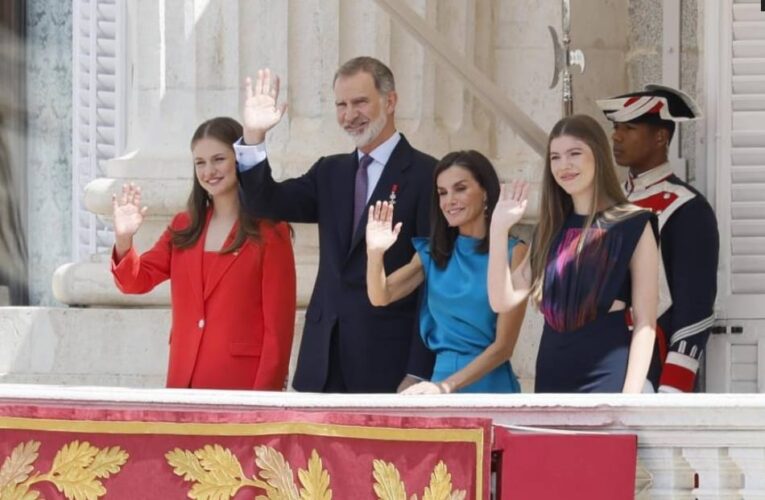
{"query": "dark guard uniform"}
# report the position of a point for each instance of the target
(689, 241)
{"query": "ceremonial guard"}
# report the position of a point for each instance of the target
(644, 124)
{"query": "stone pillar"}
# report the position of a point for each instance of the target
(183, 60)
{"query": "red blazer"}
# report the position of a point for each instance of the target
(235, 332)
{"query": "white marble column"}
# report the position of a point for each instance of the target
(182, 68)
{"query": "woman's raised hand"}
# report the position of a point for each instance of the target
(513, 199)
(381, 234)
(261, 110)
(127, 210)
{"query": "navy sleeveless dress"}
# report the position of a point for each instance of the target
(584, 347)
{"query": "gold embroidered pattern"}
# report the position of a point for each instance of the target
(217, 474)
(441, 485)
(389, 486)
(76, 471)
(315, 480)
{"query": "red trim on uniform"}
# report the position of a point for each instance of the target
(628, 317)
(661, 339)
(678, 377)
(657, 202)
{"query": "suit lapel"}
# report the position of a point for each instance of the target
(195, 255)
(222, 262)
(391, 176)
(343, 189)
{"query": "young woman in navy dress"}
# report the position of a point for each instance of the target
(472, 343)
(593, 257)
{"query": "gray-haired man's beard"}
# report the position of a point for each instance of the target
(371, 132)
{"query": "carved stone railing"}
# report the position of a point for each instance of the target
(701, 446)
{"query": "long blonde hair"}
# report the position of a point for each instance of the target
(556, 204)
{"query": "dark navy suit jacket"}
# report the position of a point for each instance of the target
(378, 345)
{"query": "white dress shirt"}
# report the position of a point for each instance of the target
(248, 156)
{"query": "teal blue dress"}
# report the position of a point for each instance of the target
(456, 321)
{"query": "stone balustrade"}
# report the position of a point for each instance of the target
(702, 446)
(128, 347)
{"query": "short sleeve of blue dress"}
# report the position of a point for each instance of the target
(456, 321)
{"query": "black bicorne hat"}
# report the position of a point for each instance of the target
(655, 104)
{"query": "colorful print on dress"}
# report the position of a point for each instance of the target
(575, 277)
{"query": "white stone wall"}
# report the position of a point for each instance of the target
(644, 64)
(71, 346)
(601, 30)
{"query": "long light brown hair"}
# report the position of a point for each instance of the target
(556, 205)
(226, 130)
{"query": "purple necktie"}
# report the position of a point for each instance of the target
(360, 194)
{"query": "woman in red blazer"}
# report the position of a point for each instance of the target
(232, 277)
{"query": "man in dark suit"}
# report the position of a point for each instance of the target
(348, 345)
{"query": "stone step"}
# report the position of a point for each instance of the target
(127, 347)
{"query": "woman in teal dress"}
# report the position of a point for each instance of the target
(472, 343)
